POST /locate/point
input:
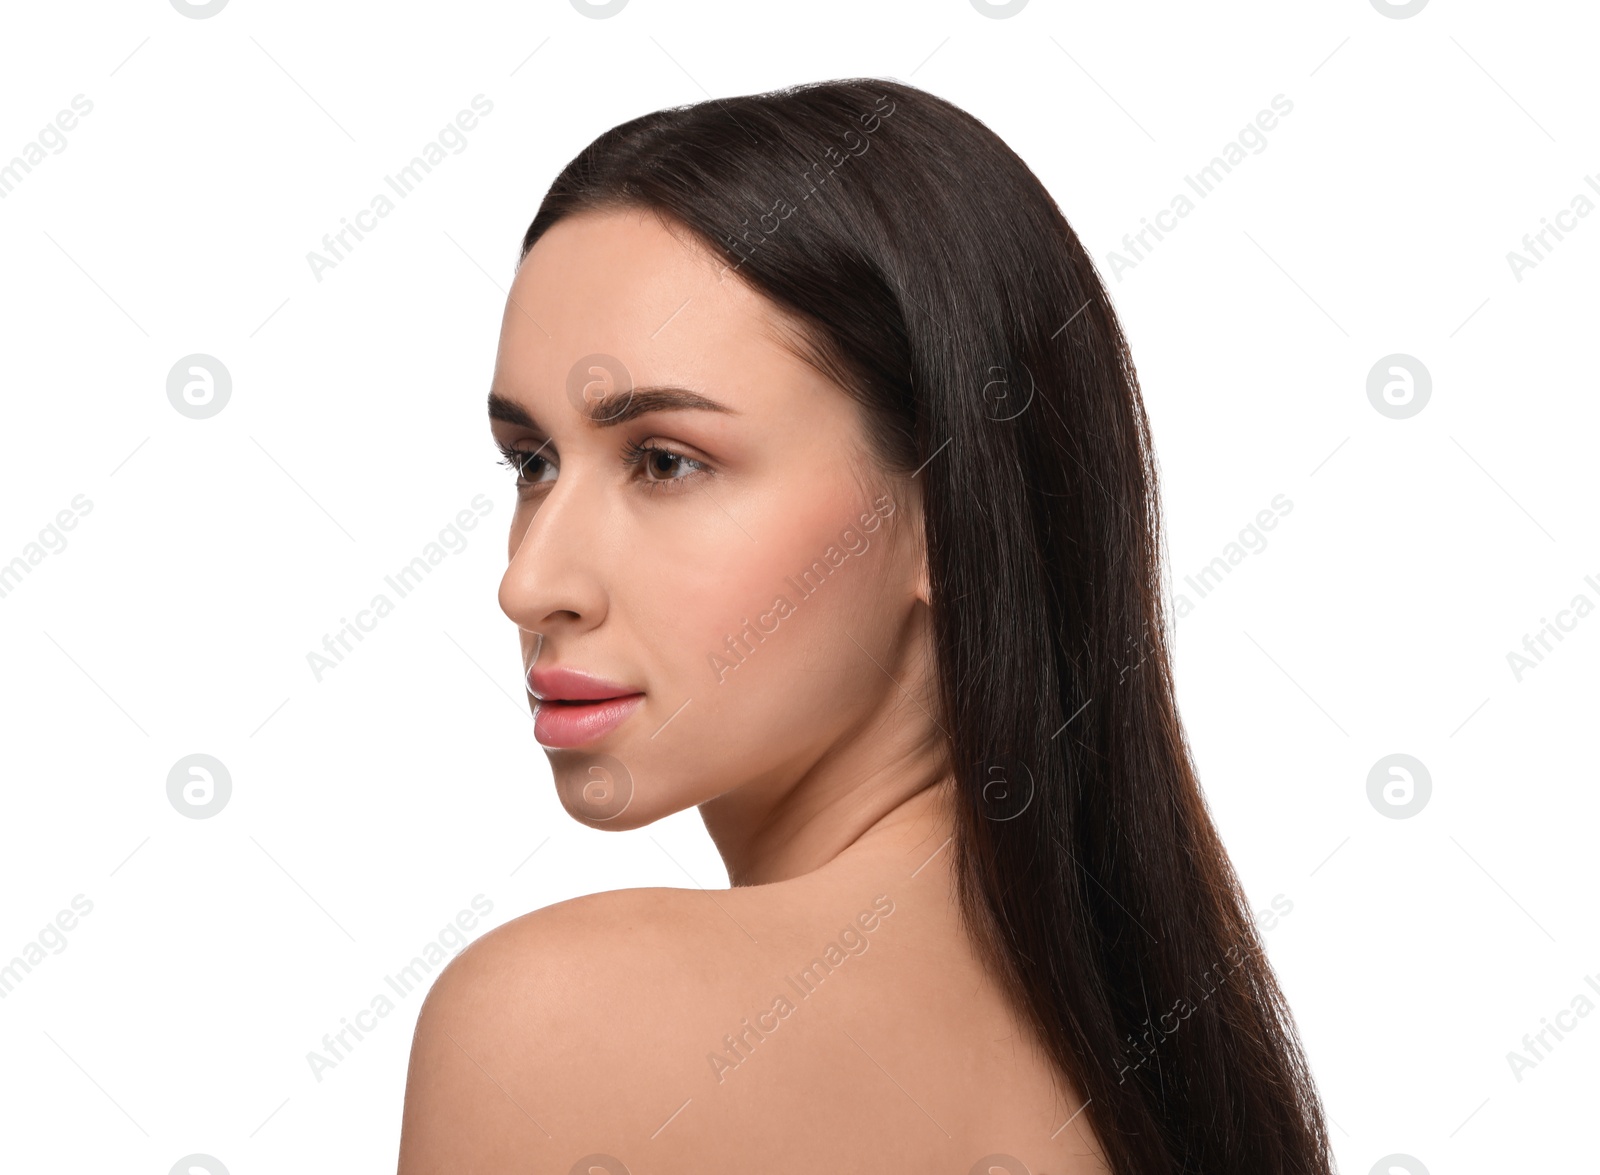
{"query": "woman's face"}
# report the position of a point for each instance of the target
(741, 567)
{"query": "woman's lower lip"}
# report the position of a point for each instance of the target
(572, 724)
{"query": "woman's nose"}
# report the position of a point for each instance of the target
(554, 573)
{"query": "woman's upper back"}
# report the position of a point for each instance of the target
(839, 1021)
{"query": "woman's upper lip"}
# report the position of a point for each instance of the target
(552, 683)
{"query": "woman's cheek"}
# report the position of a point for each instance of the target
(688, 606)
(731, 594)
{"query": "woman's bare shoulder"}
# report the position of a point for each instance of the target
(549, 973)
(663, 1027)
(542, 1030)
(582, 930)
(623, 945)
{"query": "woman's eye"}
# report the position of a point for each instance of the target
(662, 468)
(658, 468)
(662, 464)
(528, 464)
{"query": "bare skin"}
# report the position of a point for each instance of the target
(827, 1011)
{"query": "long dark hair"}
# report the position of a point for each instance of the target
(937, 281)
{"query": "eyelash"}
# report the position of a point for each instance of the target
(633, 455)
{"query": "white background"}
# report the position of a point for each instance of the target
(368, 808)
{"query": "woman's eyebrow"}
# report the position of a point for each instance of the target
(509, 412)
(615, 408)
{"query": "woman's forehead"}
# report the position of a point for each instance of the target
(621, 284)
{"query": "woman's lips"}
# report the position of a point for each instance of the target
(557, 683)
(572, 724)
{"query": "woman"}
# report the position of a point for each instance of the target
(837, 519)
